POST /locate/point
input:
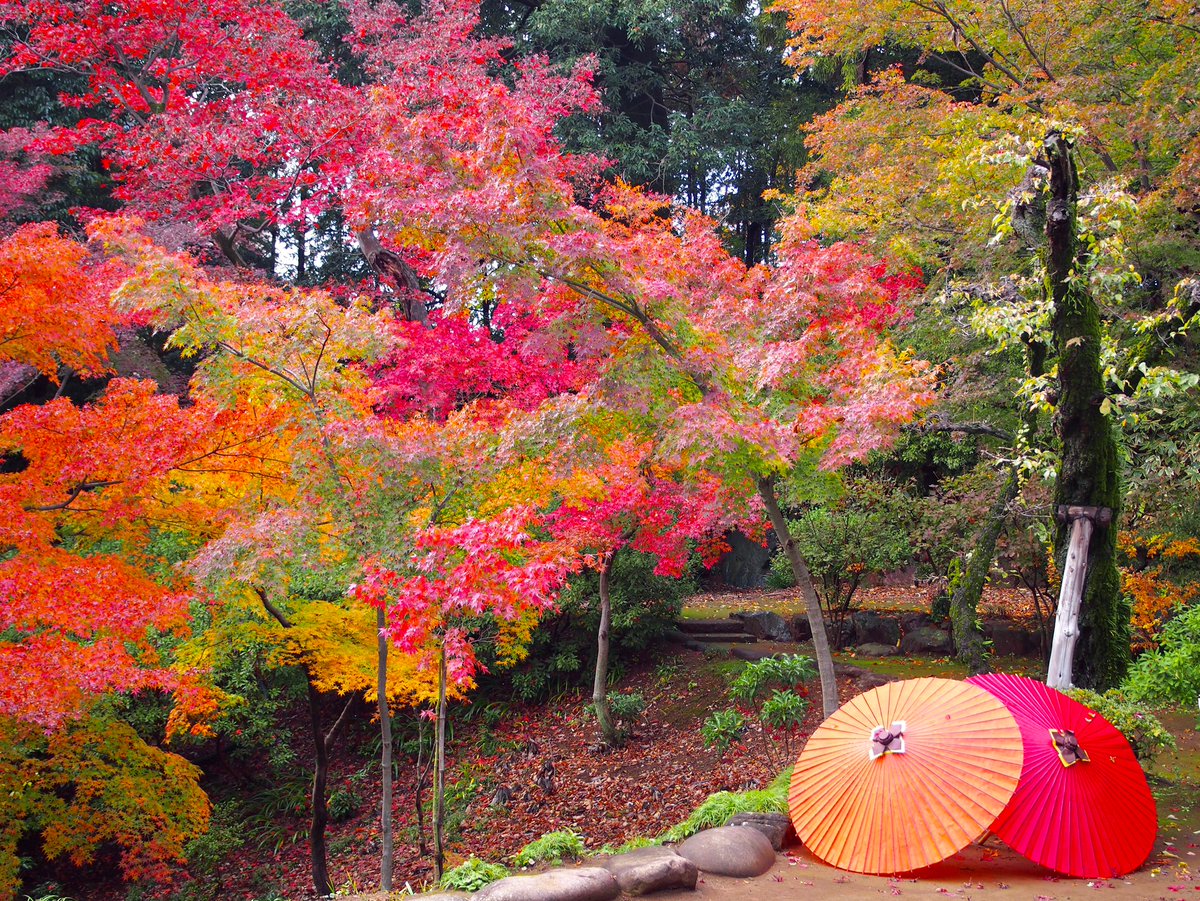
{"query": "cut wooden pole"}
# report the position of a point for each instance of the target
(1070, 596)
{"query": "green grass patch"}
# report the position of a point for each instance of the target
(553, 847)
(718, 808)
(472, 874)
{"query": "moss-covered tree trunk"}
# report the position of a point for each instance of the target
(1088, 474)
(964, 603)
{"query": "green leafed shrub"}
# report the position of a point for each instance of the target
(759, 678)
(722, 729)
(343, 804)
(784, 710)
(864, 532)
(1145, 734)
(225, 835)
(1170, 674)
(553, 847)
(472, 874)
(562, 653)
(772, 691)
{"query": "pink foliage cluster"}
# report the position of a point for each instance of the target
(440, 369)
(487, 567)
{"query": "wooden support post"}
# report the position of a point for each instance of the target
(1083, 520)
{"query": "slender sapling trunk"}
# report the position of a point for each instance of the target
(385, 733)
(812, 604)
(600, 684)
(439, 777)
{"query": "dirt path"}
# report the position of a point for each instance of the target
(982, 871)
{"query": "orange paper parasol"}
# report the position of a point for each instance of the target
(1083, 806)
(905, 775)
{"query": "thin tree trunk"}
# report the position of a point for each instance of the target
(964, 603)
(439, 777)
(1088, 474)
(422, 775)
(600, 684)
(812, 604)
(385, 732)
(321, 744)
(320, 809)
(299, 233)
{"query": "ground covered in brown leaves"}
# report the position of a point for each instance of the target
(608, 797)
(998, 600)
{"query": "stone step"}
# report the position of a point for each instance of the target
(722, 637)
(698, 641)
(697, 626)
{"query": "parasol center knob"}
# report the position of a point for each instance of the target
(887, 740)
(1066, 745)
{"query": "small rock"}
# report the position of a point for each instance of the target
(584, 884)
(765, 625)
(652, 869)
(864, 679)
(872, 649)
(871, 628)
(926, 640)
(777, 827)
(730, 851)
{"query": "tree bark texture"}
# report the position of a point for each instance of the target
(812, 604)
(385, 732)
(1088, 472)
(1066, 623)
(439, 775)
(320, 810)
(397, 274)
(321, 744)
(600, 684)
(964, 603)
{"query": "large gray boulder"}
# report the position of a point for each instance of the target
(730, 851)
(777, 827)
(652, 869)
(871, 628)
(765, 626)
(583, 884)
(926, 640)
(1008, 638)
(910, 622)
(747, 562)
(802, 631)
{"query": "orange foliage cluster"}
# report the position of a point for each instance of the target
(86, 616)
(1155, 589)
(54, 303)
(94, 783)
